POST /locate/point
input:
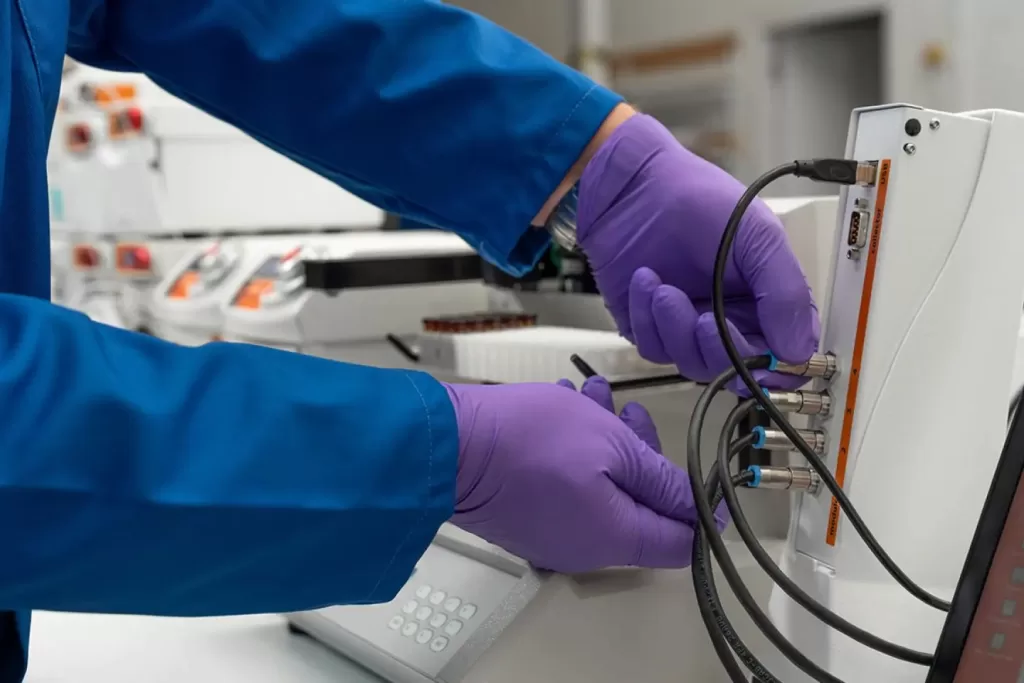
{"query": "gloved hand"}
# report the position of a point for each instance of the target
(649, 218)
(560, 481)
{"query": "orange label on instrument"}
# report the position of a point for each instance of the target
(183, 285)
(858, 347)
(252, 293)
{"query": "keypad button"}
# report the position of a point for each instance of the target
(410, 607)
(439, 643)
(452, 604)
(424, 636)
(396, 623)
(410, 628)
(423, 613)
(423, 592)
(437, 621)
(437, 597)
(453, 627)
(467, 611)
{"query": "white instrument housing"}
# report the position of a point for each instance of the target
(924, 320)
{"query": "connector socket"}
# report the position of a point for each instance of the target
(786, 479)
(801, 402)
(857, 233)
(821, 365)
(867, 173)
(776, 440)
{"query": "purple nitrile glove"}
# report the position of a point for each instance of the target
(650, 218)
(560, 481)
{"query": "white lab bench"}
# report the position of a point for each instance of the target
(79, 648)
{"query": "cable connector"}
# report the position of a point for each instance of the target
(839, 171)
(821, 365)
(784, 478)
(801, 402)
(776, 440)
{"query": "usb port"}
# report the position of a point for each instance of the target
(857, 236)
(867, 173)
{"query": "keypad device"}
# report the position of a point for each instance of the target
(450, 608)
(434, 619)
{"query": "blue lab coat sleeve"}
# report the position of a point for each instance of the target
(421, 108)
(142, 477)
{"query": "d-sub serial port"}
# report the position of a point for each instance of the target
(857, 236)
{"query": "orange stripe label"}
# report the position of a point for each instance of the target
(858, 347)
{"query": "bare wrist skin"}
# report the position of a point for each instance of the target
(619, 115)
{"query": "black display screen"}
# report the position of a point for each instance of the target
(983, 638)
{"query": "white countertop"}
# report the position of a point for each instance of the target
(116, 649)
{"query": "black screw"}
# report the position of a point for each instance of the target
(912, 127)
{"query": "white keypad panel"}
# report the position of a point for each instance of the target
(436, 613)
(439, 610)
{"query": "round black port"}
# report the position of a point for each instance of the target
(912, 127)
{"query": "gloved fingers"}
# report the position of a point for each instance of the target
(636, 417)
(785, 308)
(567, 384)
(645, 335)
(654, 482)
(748, 345)
(676, 321)
(715, 355)
(662, 543)
(722, 516)
(598, 390)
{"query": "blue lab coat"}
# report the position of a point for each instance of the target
(140, 477)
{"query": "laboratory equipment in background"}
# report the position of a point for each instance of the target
(342, 296)
(60, 267)
(141, 178)
(744, 83)
(188, 305)
(471, 612)
(77, 191)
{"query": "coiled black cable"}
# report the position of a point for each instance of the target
(718, 305)
(723, 636)
(825, 615)
(710, 529)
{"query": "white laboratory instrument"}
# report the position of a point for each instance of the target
(471, 613)
(368, 286)
(927, 271)
(137, 172)
(187, 306)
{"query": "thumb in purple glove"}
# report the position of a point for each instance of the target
(556, 479)
(645, 202)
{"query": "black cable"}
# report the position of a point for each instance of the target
(588, 371)
(719, 628)
(1015, 404)
(822, 613)
(402, 347)
(724, 638)
(806, 169)
(710, 529)
(746, 476)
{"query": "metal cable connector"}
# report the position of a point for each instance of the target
(785, 478)
(801, 402)
(776, 440)
(820, 365)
